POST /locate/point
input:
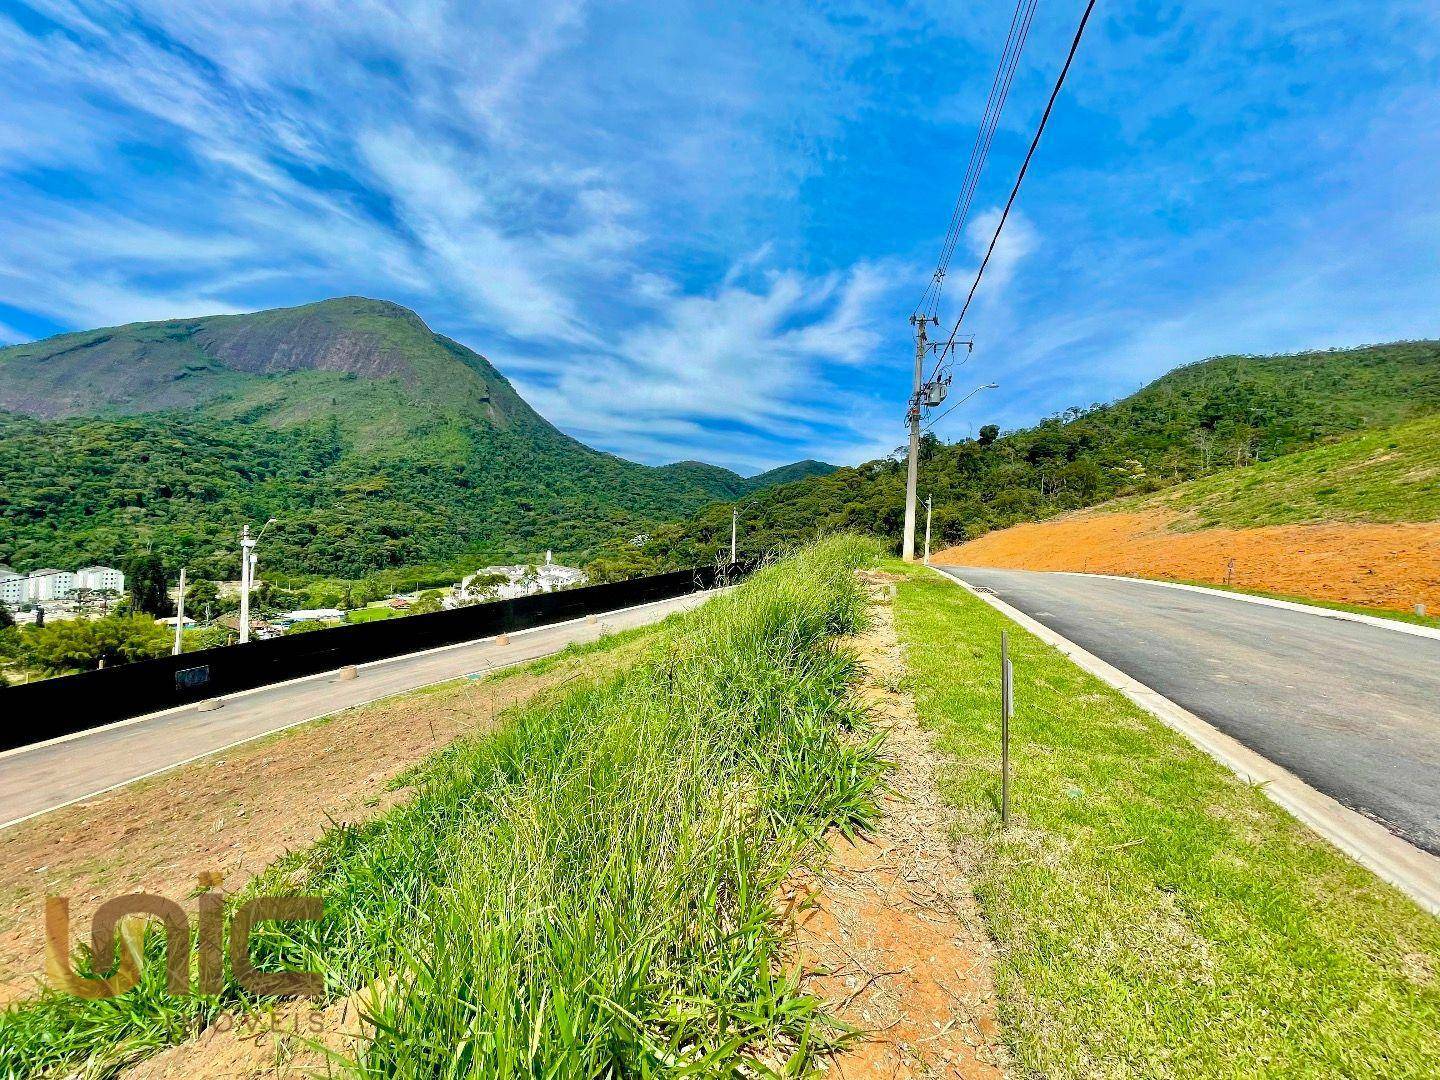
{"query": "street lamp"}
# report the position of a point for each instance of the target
(247, 574)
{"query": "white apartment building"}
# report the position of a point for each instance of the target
(42, 586)
(100, 577)
(12, 587)
(48, 584)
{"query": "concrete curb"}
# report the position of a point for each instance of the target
(1411, 870)
(1289, 605)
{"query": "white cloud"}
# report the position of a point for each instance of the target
(1016, 240)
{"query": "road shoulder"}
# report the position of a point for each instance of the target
(1153, 913)
(1408, 868)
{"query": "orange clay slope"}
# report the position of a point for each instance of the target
(1391, 566)
(1352, 521)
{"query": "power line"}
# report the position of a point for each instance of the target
(1024, 167)
(1000, 83)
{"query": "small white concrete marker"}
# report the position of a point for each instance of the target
(348, 672)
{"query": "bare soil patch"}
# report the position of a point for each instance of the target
(888, 931)
(1383, 566)
(235, 812)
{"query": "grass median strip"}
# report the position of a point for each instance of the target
(588, 892)
(1156, 917)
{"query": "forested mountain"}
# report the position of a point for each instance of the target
(374, 442)
(1217, 414)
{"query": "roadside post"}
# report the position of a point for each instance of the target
(929, 506)
(1007, 706)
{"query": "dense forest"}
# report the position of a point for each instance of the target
(1217, 414)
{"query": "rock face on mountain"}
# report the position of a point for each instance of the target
(182, 363)
(376, 441)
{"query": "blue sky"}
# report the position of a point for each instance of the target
(695, 230)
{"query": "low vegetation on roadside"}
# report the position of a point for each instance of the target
(1391, 475)
(1155, 916)
(587, 892)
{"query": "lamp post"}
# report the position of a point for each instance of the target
(247, 574)
(180, 616)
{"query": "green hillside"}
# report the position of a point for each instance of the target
(375, 442)
(1391, 475)
(789, 474)
(1203, 418)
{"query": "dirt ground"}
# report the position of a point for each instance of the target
(889, 932)
(234, 813)
(1383, 566)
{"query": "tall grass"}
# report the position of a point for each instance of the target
(591, 892)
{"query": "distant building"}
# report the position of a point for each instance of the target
(100, 578)
(290, 618)
(519, 581)
(48, 584)
(43, 586)
(12, 587)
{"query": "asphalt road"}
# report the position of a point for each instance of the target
(1352, 709)
(38, 778)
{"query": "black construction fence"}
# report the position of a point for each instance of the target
(38, 711)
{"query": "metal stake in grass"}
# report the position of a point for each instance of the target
(1007, 706)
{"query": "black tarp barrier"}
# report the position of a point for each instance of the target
(38, 711)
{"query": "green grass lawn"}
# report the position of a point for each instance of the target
(371, 614)
(1390, 475)
(1156, 917)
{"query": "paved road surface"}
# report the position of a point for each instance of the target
(1352, 709)
(39, 778)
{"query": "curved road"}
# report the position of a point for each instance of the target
(1353, 709)
(34, 779)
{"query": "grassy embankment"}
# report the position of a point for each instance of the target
(1391, 475)
(1155, 916)
(588, 892)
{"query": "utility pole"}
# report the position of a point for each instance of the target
(247, 574)
(247, 553)
(180, 615)
(922, 346)
(929, 506)
(734, 533)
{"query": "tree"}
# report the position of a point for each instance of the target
(200, 595)
(80, 644)
(148, 585)
(6, 619)
(427, 602)
(988, 434)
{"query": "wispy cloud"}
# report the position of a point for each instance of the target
(692, 236)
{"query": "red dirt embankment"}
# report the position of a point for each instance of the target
(1384, 566)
